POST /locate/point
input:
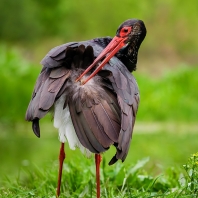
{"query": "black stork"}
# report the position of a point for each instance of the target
(94, 97)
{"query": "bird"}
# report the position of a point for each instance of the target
(93, 96)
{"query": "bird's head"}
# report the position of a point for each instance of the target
(129, 36)
(134, 31)
(130, 31)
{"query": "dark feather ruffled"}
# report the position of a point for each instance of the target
(104, 113)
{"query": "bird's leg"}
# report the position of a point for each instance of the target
(98, 159)
(61, 159)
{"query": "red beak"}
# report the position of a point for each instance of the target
(111, 49)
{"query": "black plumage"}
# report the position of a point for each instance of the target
(103, 110)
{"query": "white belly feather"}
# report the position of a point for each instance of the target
(63, 122)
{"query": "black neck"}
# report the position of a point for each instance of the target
(128, 55)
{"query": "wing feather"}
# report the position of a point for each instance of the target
(127, 92)
(80, 130)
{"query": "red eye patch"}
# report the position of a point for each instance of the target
(125, 31)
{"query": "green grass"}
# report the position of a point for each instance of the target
(121, 181)
(29, 167)
(166, 148)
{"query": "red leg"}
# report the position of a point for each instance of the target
(98, 159)
(61, 159)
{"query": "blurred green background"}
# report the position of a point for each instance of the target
(167, 74)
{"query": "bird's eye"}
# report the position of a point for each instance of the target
(125, 31)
